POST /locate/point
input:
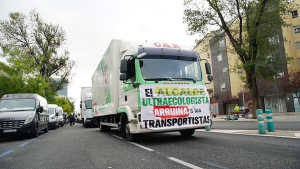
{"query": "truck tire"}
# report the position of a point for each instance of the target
(129, 136)
(187, 133)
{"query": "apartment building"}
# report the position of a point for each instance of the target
(215, 50)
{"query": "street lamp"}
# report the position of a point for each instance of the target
(243, 84)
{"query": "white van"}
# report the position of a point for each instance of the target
(53, 116)
(61, 116)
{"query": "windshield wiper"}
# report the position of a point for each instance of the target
(186, 78)
(160, 79)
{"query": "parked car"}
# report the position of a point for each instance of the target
(23, 114)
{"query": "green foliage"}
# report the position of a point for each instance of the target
(36, 47)
(66, 104)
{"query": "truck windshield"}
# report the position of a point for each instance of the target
(88, 104)
(17, 105)
(170, 67)
(51, 110)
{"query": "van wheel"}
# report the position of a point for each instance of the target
(54, 127)
(187, 133)
(129, 136)
(46, 129)
(35, 132)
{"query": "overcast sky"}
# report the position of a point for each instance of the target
(91, 24)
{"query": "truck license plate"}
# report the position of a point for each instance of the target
(10, 131)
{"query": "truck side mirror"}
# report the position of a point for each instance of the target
(123, 66)
(210, 78)
(207, 68)
(123, 77)
(56, 114)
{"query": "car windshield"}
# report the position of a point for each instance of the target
(17, 105)
(88, 104)
(171, 67)
(51, 110)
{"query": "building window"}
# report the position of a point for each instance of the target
(223, 88)
(294, 14)
(240, 70)
(298, 45)
(208, 55)
(225, 69)
(297, 29)
(219, 57)
(222, 42)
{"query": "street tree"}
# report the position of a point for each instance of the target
(39, 44)
(65, 103)
(253, 28)
(290, 83)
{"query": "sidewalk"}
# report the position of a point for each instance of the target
(286, 116)
(276, 133)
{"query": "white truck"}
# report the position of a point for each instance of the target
(143, 87)
(86, 107)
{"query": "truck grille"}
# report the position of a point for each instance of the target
(12, 124)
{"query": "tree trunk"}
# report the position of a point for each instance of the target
(253, 90)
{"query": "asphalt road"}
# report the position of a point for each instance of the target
(246, 125)
(78, 147)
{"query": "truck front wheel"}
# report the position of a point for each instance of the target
(187, 133)
(129, 136)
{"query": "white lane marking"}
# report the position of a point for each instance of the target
(146, 148)
(118, 137)
(184, 163)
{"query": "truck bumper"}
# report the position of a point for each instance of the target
(90, 122)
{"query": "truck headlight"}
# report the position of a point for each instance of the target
(29, 119)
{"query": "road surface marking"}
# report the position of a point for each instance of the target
(184, 163)
(5, 153)
(146, 148)
(24, 144)
(215, 165)
(118, 137)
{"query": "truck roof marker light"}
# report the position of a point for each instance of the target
(141, 55)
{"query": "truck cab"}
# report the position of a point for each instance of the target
(23, 114)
